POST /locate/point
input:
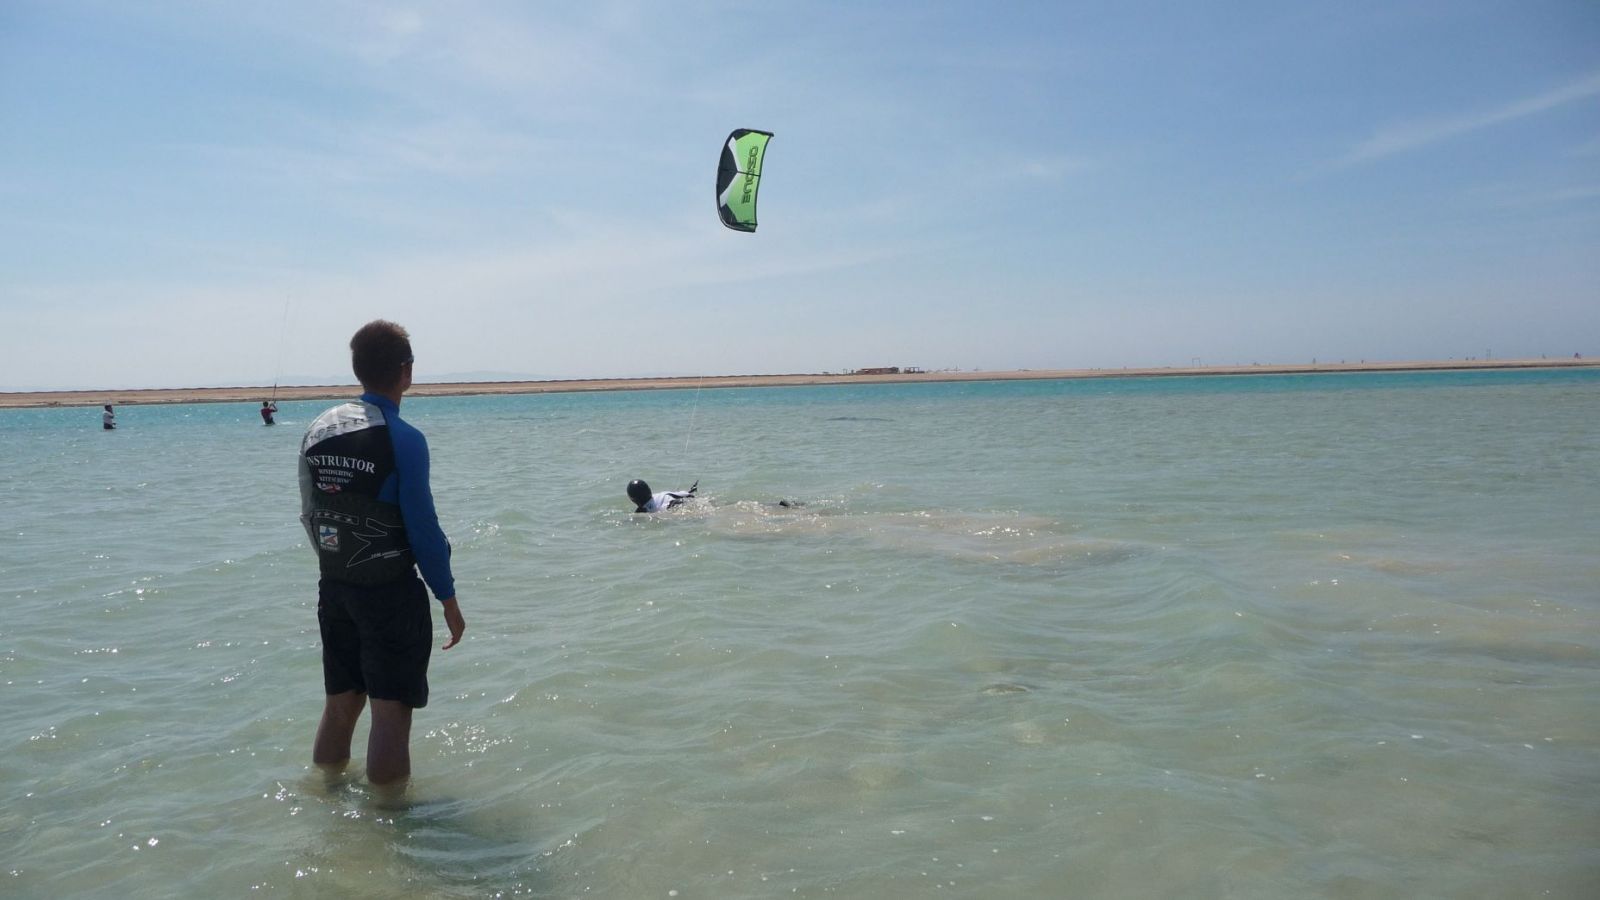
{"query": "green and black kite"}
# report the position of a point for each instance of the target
(739, 177)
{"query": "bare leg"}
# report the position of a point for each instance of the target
(339, 716)
(389, 743)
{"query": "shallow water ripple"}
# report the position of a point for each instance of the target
(1327, 637)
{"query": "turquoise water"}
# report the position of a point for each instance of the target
(1308, 636)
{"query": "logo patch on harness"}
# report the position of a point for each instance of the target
(328, 538)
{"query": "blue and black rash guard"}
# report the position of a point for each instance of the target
(365, 500)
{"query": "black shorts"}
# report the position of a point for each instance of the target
(376, 639)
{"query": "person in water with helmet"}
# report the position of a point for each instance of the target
(639, 493)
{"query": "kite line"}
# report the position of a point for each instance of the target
(277, 371)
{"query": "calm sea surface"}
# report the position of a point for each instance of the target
(1270, 636)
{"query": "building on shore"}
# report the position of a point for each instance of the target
(890, 370)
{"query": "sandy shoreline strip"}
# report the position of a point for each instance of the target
(134, 397)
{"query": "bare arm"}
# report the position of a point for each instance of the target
(453, 620)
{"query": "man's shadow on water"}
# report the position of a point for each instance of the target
(406, 841)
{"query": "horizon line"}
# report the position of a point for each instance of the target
(254, 393)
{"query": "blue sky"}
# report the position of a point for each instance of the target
(220, 193)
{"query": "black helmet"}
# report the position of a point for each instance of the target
(638, 492)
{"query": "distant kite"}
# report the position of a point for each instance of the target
(739, 177)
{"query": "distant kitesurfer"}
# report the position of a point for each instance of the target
(108, 419)
(639, 493)
(369, 515)
(267, 410)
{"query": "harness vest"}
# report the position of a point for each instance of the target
(359, 539)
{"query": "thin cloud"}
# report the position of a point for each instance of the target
(1509, 196)
(1571, 195)
(1413, 135)
(1054, 168)
(1591, 147)
(322, 151)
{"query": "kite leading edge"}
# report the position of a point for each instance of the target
(739, 177)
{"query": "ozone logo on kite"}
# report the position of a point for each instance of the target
(739, 177)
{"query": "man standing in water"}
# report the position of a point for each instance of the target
(368, 510)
